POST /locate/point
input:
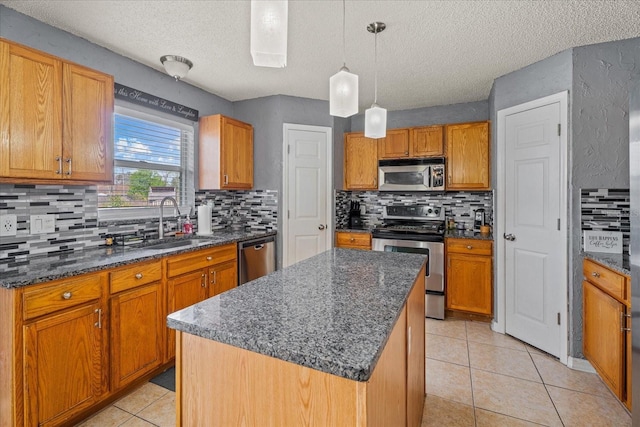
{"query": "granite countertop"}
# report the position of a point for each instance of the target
(464, 234)
(617, 262)
(40, 269)
(356, 230)
(333, 312)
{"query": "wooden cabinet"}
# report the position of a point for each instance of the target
(196, 276)
(416, 353)
(360, 162)
(469, 275)
(225, 153)
(467, 156)
(606, 321)
(137, 322)
(55, 120)
(426, 141)
(349, 240)
(394, 145)
(65, 353)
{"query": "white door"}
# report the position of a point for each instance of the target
(535, 247)
(308, 192)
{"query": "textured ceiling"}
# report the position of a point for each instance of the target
(432, 52)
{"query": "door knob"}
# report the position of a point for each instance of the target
(321, 227)
(509, 237)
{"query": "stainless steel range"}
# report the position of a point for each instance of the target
(417, 229)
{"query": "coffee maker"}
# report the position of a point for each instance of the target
(355, 220)
(478, 220)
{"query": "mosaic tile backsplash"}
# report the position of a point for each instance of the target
(77, 221)
(606, 209)
(458, 204)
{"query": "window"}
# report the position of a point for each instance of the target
(153, 158)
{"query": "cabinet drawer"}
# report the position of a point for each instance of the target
(63, 294)
(353, 240)
(469, 246)
(134, 275)
(191, 261)
(609, 281)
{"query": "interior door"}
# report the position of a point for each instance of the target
(308, 224)
(535, 251)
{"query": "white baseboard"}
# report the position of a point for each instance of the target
(580, 365)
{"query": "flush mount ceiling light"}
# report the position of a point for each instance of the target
(343, 86)
(375, 118)
(269, 33)
(176, 66)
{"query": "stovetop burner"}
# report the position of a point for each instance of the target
(412, 222)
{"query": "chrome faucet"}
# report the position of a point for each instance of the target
(161, 226)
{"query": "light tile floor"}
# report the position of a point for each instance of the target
(475, 378)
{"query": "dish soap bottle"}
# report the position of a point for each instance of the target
(187, 227)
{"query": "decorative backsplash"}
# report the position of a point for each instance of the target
(78, 226)
(458, 204)
(608, 210)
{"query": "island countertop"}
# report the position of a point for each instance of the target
(333, 312)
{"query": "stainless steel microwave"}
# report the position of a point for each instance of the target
(425, 174)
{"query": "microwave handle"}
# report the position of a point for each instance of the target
(427, 177)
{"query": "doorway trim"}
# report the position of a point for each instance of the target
(499, 322)
(285, 184)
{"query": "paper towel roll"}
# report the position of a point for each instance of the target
(204, 219)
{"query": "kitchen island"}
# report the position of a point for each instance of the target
(337, 339)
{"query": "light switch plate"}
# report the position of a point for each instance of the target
(8, 225)
(40, 224)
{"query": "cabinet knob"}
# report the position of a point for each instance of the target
(406, 153)
(469, 247)
(67, 295)
(139, 276)
(352, 240)
(595, 274)
(209, 258)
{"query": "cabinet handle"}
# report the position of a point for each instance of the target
(623, 322)
(99, 322)
(595, 274)
(209, 258)
(469, 247)
(67, 295)
(69, 162)
(215, 277)
(139, 276)
(59, 160)
(204, 281)
(226, 179)
(409, 341)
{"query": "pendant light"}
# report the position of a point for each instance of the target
(343, 86)
(269, 32)
(375, 118)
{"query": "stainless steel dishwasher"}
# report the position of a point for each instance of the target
(256, 258)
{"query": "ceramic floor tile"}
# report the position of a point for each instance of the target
(141, 398)
(503, 360)
(440, 412)
(492, 419)
(581, 409)
(137, 422)
(481, 332)
(447, 349)
(514, 397)
(162, 412)
(108, 417)
(449, 381)
(447, 328)
(556, 374)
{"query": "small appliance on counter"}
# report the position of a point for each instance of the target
(478, 220)
(355, 220)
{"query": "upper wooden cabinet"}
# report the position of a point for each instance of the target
(426, 141)
(394, 145)
(360, 162)
(56, 119)
(225, 153)
(467, 153)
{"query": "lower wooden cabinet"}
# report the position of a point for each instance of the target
(416, 353)
(606, 336)
(223, 277)
(350, 240)
(469, 285)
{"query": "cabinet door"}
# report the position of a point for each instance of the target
(137, 328)
(222, 277)
(30, 113)
(394, 145)
(360, 162)
(183, 291)
(88, 122)
(469, 283)
(416, 352)
(63, 365)
(602, 339)
(426, 141)
(467, 152)
(236, 152)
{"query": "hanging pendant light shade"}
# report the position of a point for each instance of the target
(343, 86)
(375, 118)
(269, 33)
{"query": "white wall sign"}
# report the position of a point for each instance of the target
(603, 241)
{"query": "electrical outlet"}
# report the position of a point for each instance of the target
(8, 225)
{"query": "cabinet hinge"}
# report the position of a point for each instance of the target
(289, 149)
(288, 214)
(559, 127)
(558, 318)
